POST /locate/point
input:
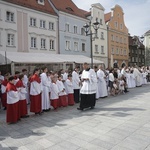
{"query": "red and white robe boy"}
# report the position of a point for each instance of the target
(35, 94)
(54, 95)
(13, 111)
(63, 99)
(70, 92)
(4, 95)
(22, 98)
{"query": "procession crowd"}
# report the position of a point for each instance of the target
(45, 90)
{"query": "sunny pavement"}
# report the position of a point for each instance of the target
(116, 123)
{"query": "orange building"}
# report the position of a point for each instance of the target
(118, 47)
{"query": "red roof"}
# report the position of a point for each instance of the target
(107, 17)
(69, 7)
(33, 4)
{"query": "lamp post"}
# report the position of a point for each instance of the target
(88, 31)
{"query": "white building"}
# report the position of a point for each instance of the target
(28, 26)
(147, 47)
(72, 38)
(100, 47)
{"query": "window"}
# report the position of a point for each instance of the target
(75, 46)
(116, 38)
(120, 39)
(11, 39)
(10, 16)
(67, 27)
(33, 22)
(41, 2)
(117, 51)
(124, 40)
(125, 52)
(42, 24)
(121, 26)
(136, 59)
(96, 48)
(102, 35)
(121, 52)
(101, 22)
(67, 45)
(43, 43)
(132, 50)
(112, 50)
(82, 31)
(132, 59)
(51, 26)
(116, 24)
(83, 47)
(75, 29)
(112, 37)
(33, 42)
(51, 44)
(102, 49)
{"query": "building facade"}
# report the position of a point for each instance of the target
(118, 49)
(136, 52)
(28, 26)
(99, 46)
(147, 47)
(72, 38)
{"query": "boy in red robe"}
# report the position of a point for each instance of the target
(13, 114)
(22, 97)
(35, 93)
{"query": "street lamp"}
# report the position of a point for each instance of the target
(87, 28)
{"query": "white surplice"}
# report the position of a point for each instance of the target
(75, 80)
(102, 87)
(45, 91)
(89, 86)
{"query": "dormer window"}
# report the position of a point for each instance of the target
(41, 2)
(68, 8)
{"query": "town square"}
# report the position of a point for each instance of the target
(74, 75)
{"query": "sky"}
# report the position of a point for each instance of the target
(136, 12)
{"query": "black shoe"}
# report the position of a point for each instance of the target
(92, 107)
(79, 108)
(26, 116)
(4, 108)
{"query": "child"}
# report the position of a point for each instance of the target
(121, 85)
(54, 97)
(12, 115)
(22, 97)
(70, 93)
(62, 93)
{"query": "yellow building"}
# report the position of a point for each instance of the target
(118, 48)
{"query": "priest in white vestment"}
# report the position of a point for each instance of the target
(102, 87)
(88, 89)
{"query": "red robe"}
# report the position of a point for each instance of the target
(13, 113)
(4, 95)
(35, 105)
(22, 99)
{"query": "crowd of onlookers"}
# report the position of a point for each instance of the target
(45, 89)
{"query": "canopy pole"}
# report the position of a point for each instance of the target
(12, 68)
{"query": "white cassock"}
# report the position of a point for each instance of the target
(75, 80)
(137, 75)
(128, 78)
(25, 83)
(102, 87)
(144, 74)
(89, 87)
(45, 91)
(65, 77)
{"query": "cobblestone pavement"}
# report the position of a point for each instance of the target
(117, 123)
